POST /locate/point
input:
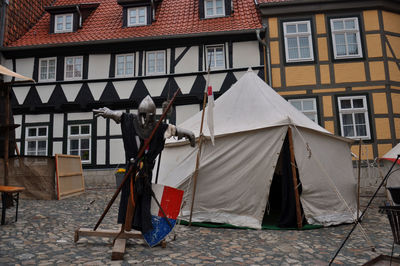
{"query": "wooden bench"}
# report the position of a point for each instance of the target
(8, 191)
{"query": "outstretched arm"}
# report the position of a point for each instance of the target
(180, 133)
(108, 113)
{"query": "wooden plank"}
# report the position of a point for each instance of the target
(106, 233)
(118, 249)
(69, 174)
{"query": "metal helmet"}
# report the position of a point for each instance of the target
(146, 117)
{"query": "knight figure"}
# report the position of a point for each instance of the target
(136, 128)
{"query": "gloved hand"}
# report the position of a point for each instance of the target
(180, 132)
(108, 113)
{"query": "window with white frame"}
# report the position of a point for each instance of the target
(36, 141)
(63, 23)
(124, 65)
(298, 41)
(308, 106)
(214, 8)
(215, 57)
(346, 38)
(79, 141)
(353, 114)
(137, 16)
(73, 67)
(155, 62)
(47, 69)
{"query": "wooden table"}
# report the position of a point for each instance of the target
(8, 191)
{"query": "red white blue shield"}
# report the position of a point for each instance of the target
(170, 200)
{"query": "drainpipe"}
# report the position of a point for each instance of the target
(3, 12)
(80, 17)
(267, 58)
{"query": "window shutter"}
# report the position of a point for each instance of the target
(149, 15)
(75, 22)
(228, 7)
(52, 18)
(201, 9)
(124, 17)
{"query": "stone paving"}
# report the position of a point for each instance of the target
(44, 235)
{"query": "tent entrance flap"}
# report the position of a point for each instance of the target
(281, 205)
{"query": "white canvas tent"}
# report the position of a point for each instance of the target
(387, 160)
(251, 122)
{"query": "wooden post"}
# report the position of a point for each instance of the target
(6, 132)
(294, 173)
(359, 179)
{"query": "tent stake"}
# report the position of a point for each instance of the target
(296, 191)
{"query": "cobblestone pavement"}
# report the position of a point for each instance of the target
(44, 235)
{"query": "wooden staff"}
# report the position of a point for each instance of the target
(296, 191)
(133, 167)
(196, 171)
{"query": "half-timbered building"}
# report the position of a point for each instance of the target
(337, 61)
(88, 54)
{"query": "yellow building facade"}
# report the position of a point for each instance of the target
(339, 63)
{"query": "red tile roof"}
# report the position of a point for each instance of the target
(17, 22)
(173, 17)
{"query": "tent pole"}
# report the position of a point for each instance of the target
(196, 171)
(296, 191)
(358, 183)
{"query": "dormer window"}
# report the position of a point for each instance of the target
(214, 8)
(69, 18)
(63, 23)
(137, 16)
(137, 12)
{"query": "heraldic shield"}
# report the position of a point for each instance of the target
(170, 200)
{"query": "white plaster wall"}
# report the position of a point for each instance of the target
(245, 54)
(24, 67)
(216, 80)
(97, 89)
(115, 129)
(183, 112)
(58, 125)
(155, 86)
(19, 147)
(37, 118)
(124, 88)
(185, 83)
(189, 63)
(45, 92)
(57, 147)
(8, 64)
(20, 93)
(80, 116)
(101, 152)
(71, 91)
(18, 121)
(117, 153)
(101, 126)
(99, 66)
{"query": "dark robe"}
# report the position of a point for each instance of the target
(142, 187)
